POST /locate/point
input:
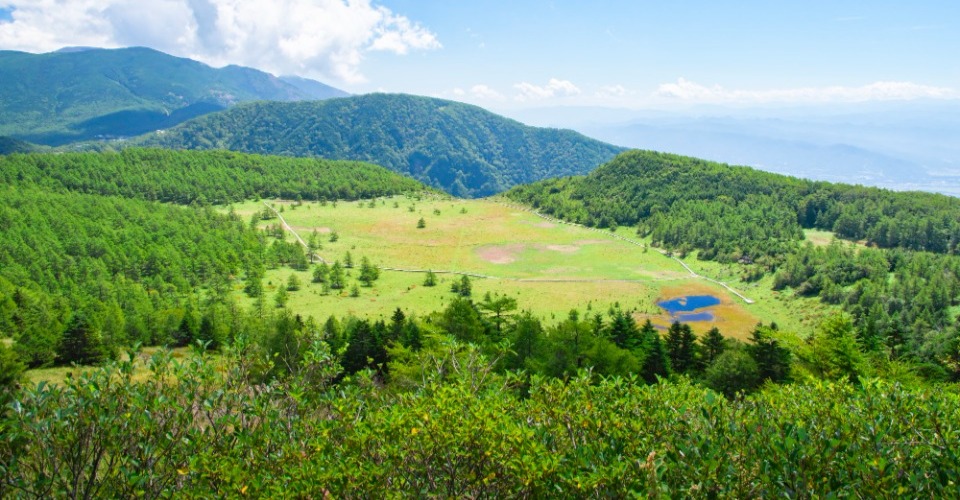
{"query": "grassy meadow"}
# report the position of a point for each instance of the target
(549, 267)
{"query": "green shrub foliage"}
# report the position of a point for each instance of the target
(196, 428)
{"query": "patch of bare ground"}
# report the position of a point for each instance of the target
(563, 248)
(500, 254)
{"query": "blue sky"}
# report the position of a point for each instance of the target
(508, 54)
(739, 46)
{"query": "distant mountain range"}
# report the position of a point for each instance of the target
(80, 94)
(898, 144)
(462, 149)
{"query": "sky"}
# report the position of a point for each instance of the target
(536, 53)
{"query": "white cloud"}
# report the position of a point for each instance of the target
(481, 91)
(553, 88)
(320, 38)
(685, 90)
(608, 91)
(478, 94)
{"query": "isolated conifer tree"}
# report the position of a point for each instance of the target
(82, 343)
(462, 287)
(321, 273)
(681, 347)
(397, 321)
(293, 283)
(712, 346)
(368, 272)
(622, 330)
(656, 363)
(281, 297)
(337, 280)
(773, 360)
(430, 279)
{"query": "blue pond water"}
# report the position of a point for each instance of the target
(688, 304)
(686, 309)
(700, 316)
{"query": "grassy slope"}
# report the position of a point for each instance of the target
(467, 242)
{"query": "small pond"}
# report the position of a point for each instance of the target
(688, 303)
(688, 308)
(697, 316)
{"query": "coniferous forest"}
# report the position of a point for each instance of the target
(105, 254)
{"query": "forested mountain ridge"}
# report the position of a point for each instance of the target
(10, 145)
(186, 177)
(733, 211)
(463, 149)
(75, 95)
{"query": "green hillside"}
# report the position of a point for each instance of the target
(899, 278)
(460, 148)
(76, 95)
(688, 203)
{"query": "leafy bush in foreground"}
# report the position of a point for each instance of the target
(202, 427)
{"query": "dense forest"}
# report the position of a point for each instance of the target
(731, 212)
(901, 290)
(90, 253)
(83, 94)
(459, 148)
(212, 177)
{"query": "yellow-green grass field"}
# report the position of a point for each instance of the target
(549, 267)
(58, 374)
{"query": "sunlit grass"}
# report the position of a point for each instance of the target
(58, 374)
(520, 252)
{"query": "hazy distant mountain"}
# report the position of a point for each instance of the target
(313, 88)
(899, 145)
(83, 93)
(10, 145)
(460, 148)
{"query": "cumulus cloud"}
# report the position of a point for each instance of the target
(318, 38)
(484, 92)
(478, 93)
(685, 90)
(608, 91)
(553, 88)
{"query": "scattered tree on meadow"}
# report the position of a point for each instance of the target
(368, 272)
(337, 279)
(281, 297)
(321, 273)
(462, 287)
(430, 279)
(293, 283)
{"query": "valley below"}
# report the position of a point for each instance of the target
(550, 267)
